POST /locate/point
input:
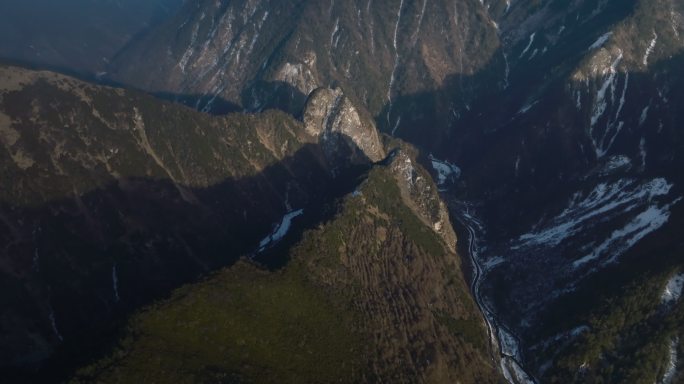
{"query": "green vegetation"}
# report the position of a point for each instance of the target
(91, 134)
(241, 325)
(628, 339)
(469, 330)
(382, 190)
(331, 315)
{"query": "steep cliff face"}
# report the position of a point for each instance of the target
(373, 295)
(331, 117)
(557, 123)
(575, 179)
(117, 198)
(274, 53)
(420, 193)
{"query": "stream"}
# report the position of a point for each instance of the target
(503, 343)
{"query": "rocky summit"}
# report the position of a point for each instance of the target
(398, 191)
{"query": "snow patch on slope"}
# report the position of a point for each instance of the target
(529, 45)
(280, 230)
(604, 201)
(672, 363)
(445, 171)
(600, 41)
(604, 140)
(625, 238)
(397, 57)
(673, 288)
(644, 115)
(598, 226)
(527, 107)
(650, 48)
(615, 163)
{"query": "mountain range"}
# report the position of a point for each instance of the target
(360, 191)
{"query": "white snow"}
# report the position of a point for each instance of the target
(420, 21)
(258, 25)
(642, 152)
(622, 97)
(514, 373)
(509, 344)
(334, 36)
(650, 48)
(566, 336)
(408, 171)
(510, 350)
(396, 66)
(615, 163)
(534, 53)
(560, 30)
(644, 115)
(280, 230)
(191, 48)
(600, 41)
(625, 238)
(672, 363)
(529, 45)
(527, 107)
(578, 330)
(673, 288)
(605, 200)
(445, 170)
(115, 283)
(396, 125)
(603, 143)
(493, 262)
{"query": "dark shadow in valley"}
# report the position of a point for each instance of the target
(213, 105)
(521, 152)
(262, 95)
(92, 260)
(492, 128)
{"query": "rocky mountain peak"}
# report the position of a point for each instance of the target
(420, 193)
(331, 117)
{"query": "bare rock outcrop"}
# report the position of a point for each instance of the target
(421, 195)
(341, 130)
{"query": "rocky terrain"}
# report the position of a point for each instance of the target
(117, 197)
(375, 294)
(552, 129)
